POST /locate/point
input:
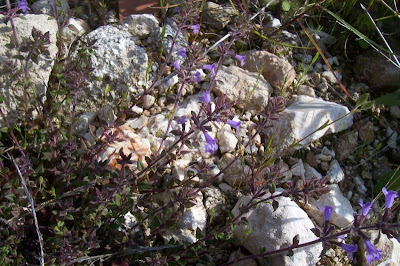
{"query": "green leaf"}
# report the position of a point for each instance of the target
(117, 199)
(140, 166)
(107, 90)
(390, 180)
(363, 98)
(144, 186)
(390, 99)
(285, 6)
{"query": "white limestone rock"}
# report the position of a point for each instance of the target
(141, 25)
(275, 229)
(304, 116)
(226, 139)
(335, 172)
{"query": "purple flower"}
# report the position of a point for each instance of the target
(390, 196)
(373, 252)
(205, 97)
(195, 28)
(210, 68)
(241, 58)
(211, 145)
(181, 120)
(23, 6)
(234, 124)
(365, 207)
(350, 249)
(177, 65)
(197, 77)
(182, 52)
(328, 212)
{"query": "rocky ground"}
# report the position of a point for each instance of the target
(354, 152)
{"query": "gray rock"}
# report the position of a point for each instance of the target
(138, 123)
(74, 29)
(106, 115)
(274, 23)
(323, 86)
(298, 168)
(392, 137)
(168, 82)
(81, 125)
(373, 68)
(216, 16)
(39, 73)
(302, 119)
(226, 140)
(215, 201)
(277, 71)
(335, 172)
(142, 25)
(117, 62)
(148, 101)
(395, 111)
(47, 7)
(365, 131)
(237, 174)
(306, 90)
(311, 172)
(238, 86)
(331, 77)
(346, 144)
(275, 229)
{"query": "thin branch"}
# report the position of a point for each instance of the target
(28, 195)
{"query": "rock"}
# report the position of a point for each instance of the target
(238, 86)
(359, 185)
(323, 158)
(130, 143)
(117, 62)
(390, 250)
(226, 140)
(335, 172)
(10, 68)
(81, 125)
(274, 23)
(237, 255)
(141, 25)
(323, 86)
(277, 71)
(272, 230)
(374, 69)
(329, 76)
(395, 111)
(47, 7)
(216, 16)
(306, 90)
(74, 29)
(321, 35)
(303, 117)
(328, 152)
(181, 166)
(365, 131)
(237, 174)
(298, 168)
(311, 172)
(148, 101)
(138, 123)
(106, 115)
(215, 201)
(225, 188)
(346, 144)
(392, 137)
(168, 82)
(342, 210)
(193, 218)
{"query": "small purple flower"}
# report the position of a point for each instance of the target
(328, 212)
(205, 97)
(373, 252)
(177, 65)
(211, 145)
(182, 52)
(197, 77)
(23, 6)
(390, 196)
(365, 207)
(181, 120)
(210, 68)
(241, 58)
(350, 249)
(234, 124)
(195, 28)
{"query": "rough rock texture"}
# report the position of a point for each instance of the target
(304, 116)
(335, 172)
(346, 144)
(130, 143)
(216, 16)
(47, 7)
(342, 210)
(74, 29)
(141, 26)
(39, 74)
(237, 174)
(276, 229)
(277, 71)
(373, 68)
(118, 63)
(226, 139)
(238, 86)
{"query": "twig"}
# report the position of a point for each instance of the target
(41, 257)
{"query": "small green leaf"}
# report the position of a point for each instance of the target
(107, 89)
(117, 199)
(363, 98)
(140, 166)
(285, 6)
